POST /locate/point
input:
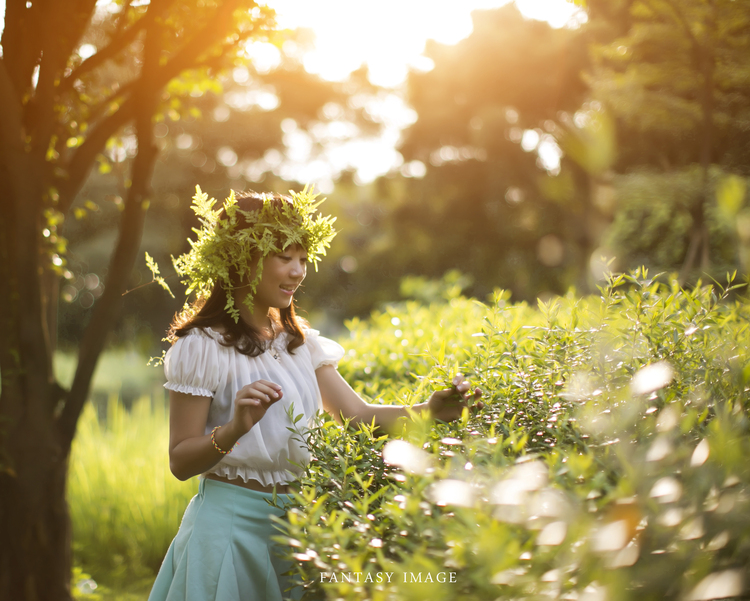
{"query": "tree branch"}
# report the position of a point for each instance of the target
(101, 109)
(143, 104)
(128, 243)
(685, 25)
(40, 118)
(81, 162)
(116, 45)
(83, 159)
(204, 39)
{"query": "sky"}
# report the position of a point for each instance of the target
(389, 37)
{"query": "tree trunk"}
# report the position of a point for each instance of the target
(38, 422)
(34, 528)
(35, 557)
(699, 246)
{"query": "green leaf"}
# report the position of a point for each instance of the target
(154, 269)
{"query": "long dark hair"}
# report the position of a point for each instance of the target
(210, 312)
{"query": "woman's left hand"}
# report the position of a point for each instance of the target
(447, 405)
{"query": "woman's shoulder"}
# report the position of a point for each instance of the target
(207, 332)
(197, 338)
(195, 363)
(323, 351)
(312, 336)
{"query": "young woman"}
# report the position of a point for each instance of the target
(241, 365)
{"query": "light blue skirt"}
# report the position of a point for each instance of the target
(223, 550)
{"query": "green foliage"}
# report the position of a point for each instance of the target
(154, 269)
(426, 290)
(674, 74)
(653, 220)
(730, 195)
(609, 459)
(405, 340)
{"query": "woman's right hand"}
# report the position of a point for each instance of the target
(252, 402)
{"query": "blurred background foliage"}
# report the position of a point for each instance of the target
(536, 154)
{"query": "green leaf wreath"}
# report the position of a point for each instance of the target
(226, 246)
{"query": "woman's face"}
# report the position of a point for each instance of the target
(282, 274)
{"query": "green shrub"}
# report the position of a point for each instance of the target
(609, 461)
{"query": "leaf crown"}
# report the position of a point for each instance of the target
(232, 237)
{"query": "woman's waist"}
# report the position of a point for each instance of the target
(251, 483)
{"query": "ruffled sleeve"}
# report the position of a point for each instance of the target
(192, 365)
(323, 351)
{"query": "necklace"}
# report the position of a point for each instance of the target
(271, 345)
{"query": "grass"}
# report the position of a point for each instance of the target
(125, 504)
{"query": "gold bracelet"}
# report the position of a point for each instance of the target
(217, 447)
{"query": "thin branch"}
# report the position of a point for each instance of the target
(119, 42)
(111, 50)
(81, 162)
(101, 109)
(685, 25)
(215, 62)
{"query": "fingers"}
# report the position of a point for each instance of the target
(478, 405)
(460, 384)
(462, 388)
(263, 384)
(262, 390)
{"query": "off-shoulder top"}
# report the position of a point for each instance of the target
(199, 364)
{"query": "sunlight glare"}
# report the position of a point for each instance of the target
(390, 37)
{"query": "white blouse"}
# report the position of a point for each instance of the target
(199, 364)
